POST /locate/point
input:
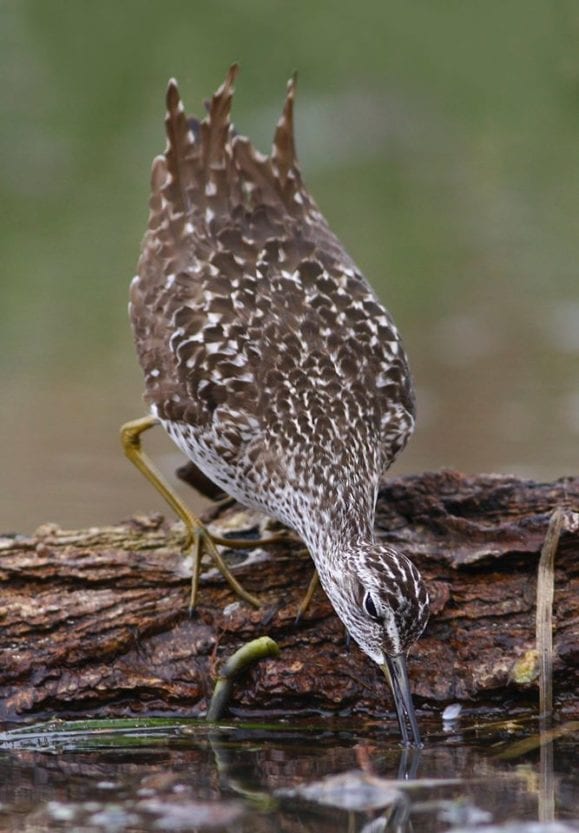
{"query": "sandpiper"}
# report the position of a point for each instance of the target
(275, 368)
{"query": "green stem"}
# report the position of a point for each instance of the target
(241, 660)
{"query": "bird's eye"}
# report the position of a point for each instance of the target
(370, 607)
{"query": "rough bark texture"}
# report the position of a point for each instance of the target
(96, 621)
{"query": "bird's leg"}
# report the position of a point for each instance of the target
(196, 534)
(131, 441)
(305, 602)
(203, 540)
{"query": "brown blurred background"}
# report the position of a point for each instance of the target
(440, 139)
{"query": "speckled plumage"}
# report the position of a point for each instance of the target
(270, 360)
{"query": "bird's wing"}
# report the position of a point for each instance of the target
(244, 294)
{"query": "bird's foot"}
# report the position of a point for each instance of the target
(204, 542)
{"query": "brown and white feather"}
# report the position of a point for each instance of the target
(267, 355)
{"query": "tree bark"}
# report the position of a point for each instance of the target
(96, 621)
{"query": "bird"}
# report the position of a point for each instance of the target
(274, 367)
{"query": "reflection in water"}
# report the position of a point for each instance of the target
(546, 783)
(293, 778)
(544, 740)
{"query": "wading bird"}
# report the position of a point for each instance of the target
(274, 367)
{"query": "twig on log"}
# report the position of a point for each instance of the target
(545, 593)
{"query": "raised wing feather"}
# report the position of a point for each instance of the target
(251, 321)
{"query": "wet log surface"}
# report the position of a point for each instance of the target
(95, 622)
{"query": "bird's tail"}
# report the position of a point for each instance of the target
(209, 170)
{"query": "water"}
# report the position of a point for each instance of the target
(318, 775)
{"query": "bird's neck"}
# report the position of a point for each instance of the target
(342, 521)
(333, 510)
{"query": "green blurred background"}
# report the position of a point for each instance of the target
(440, 138)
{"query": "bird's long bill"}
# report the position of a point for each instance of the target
(396, 673)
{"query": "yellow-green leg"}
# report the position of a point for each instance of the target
(305, 602)
(196, 534)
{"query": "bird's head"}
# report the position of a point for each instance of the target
(382, 600)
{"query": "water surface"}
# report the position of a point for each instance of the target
(319, 775)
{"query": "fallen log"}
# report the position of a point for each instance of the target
(95, 622)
